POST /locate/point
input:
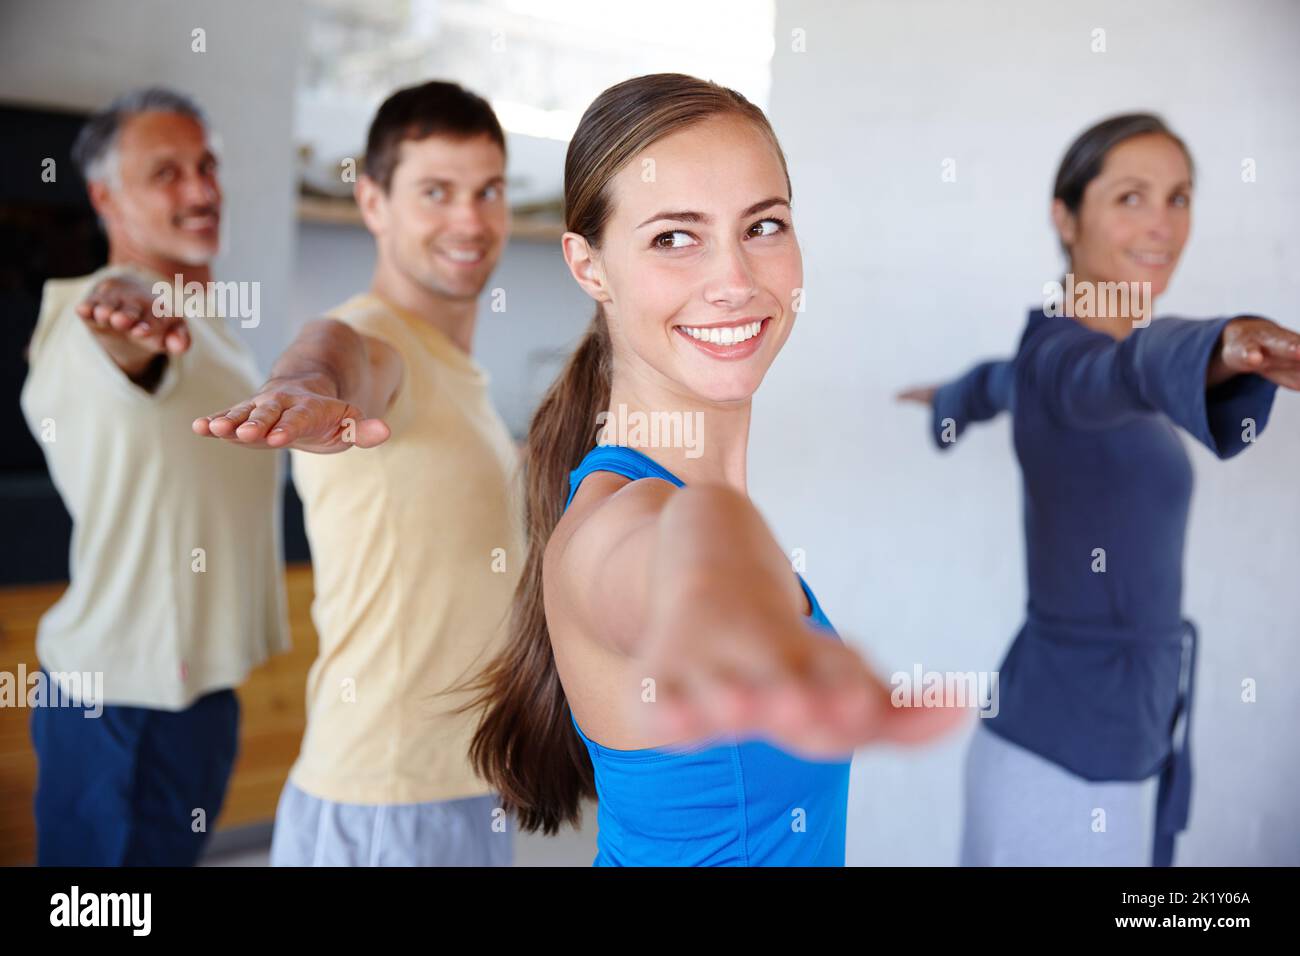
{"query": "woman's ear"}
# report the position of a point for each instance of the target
(584, 266)
(1066, 222)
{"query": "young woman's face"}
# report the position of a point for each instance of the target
(1135, 216)
(700, 261)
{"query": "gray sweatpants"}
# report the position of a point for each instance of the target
(310, 831)
(1024, 810)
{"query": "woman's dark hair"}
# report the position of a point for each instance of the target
(525, 745)
(1084, 159)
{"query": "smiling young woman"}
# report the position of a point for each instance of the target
(663, 653)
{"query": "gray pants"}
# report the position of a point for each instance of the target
(1025, 810)
(310, 831)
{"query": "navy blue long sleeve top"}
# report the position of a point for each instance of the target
(1098, 679)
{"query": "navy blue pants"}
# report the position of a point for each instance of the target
(125, 788)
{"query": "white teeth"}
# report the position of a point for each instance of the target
(1151, 258)
(731, 335)
(463, 255)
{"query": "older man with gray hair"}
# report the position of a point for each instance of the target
(170, 599)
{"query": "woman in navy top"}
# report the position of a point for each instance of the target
(662, 654)
(1096, 689)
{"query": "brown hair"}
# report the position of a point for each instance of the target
(436, 108)
(525, 745)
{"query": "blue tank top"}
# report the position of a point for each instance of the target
(727, 803)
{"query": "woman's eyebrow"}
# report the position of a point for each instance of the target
(683, 216)
(689, 216)
(764, 204)
(1145, 184)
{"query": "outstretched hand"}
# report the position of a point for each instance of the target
(120, 311)
(809, 694)
(921, 394)
(288, 415)
(1259, 346)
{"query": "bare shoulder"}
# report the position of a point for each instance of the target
(607, 510)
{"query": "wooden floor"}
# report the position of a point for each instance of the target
(271, 726)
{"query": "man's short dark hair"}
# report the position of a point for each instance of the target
(94, 145)
(436, 108)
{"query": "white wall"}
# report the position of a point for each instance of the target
(911, 279)
(80, 55)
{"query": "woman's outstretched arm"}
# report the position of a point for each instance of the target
(691, 584)
(975, 396)
(1210, 377)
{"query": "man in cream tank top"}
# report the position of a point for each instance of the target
(415, 534)
(169, 603)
